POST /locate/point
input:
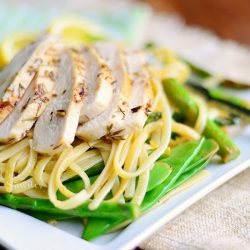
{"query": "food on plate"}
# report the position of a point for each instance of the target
(12, 44)
(105, 132)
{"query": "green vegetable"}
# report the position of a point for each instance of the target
(209, 148)
(107, 210)
(75, 186)
(189, 174)
(96, 227)
(227, 149)
(218, 95)
(158, 174)
(96, 169)
(198, 71)
(149, 45)
(225, 121)
(187, 106)
(153, 117)
(179, 159)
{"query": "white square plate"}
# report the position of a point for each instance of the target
(22, 232)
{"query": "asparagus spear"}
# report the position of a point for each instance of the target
(187, 106)
(217, 95)
(107, 210)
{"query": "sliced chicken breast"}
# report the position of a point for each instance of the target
(99, 82)
(142, 93)
(110, 123)
(14, 87)
(31, 106)
(8, 74)
(56, 127)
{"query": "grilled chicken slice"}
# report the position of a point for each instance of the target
(15, 86)
(142, 93)
(110, 123)
(10, 71)
(99, 82)
(56, 127)
(31, 106)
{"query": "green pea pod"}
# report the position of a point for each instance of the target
(96, 169)
(108, 210)
(209, 148)
(161, 171)
(179, 159)
(158, 174)
(98, 226)
(189, 174)
(75, 186)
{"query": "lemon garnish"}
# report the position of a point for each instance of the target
(12, 44)
(76, 31)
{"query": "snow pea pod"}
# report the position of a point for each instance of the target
(158, 174)
(96, 169)
(162, 170)
(107, 210)
(209, 148)
(75, 186)
(179, 159)
(96, 227)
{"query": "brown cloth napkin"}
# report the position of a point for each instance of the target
(220, 221)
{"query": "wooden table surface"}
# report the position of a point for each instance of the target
(228, 18)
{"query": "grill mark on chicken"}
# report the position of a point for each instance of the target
(112, 136)
(51, 116)
(148, 108)
(5, 104)
(10, 141)
(26, 104)
(136, 109)
(123, 113)
(31, 70)
(61, 112)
